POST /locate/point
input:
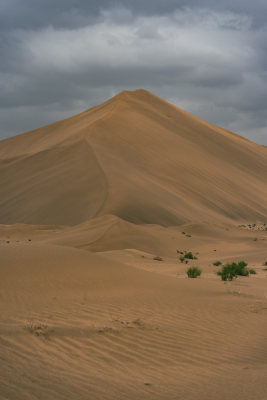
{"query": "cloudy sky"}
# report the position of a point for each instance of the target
(60, 57)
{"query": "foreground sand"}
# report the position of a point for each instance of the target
(117, 324)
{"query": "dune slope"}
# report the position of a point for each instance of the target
(136, 157)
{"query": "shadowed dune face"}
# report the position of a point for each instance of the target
(61, 185)
(136, 157)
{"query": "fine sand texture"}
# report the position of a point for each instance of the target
(94, 300)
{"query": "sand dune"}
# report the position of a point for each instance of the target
(94, 301)
(136, 157)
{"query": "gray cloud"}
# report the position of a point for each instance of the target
(60, 57)
(35, 14)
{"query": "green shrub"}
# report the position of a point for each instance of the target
(230, 271)
(193, 272)
(252, 271)
(189, 255)
(227, 273)
(265, 263)
(242, 264)
(186, 256)
(217, 263)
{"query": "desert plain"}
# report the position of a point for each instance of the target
(95, 302)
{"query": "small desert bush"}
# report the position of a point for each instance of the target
(230, 271)
(217, 263)
(193, 272)
(252, 271)
(265, 263)
(189, 255)
(186, 256)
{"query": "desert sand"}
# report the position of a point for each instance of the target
(94, 301)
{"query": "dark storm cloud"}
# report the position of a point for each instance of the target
(60, 57)
(75, 13)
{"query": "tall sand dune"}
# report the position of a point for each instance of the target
(136, 157)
